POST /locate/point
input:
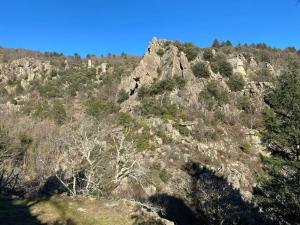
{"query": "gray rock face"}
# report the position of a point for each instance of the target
(157, 66)
(238, 65)
(24, 70)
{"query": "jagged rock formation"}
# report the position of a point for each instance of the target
(163, 59)
(25, 70)
(158, 67)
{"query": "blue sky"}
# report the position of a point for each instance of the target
(115, 26)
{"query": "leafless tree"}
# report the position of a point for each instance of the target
(87, 164)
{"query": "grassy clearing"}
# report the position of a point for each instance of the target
(65, 211)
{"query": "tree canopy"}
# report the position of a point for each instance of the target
(282, 118)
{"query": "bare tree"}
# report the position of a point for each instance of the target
(87, 164)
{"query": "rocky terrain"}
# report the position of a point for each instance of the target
(174, 121)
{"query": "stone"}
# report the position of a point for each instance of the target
(238, 65)
(90, 64)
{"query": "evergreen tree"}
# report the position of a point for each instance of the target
(282, 118)
(216, 44)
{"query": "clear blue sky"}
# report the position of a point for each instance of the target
(100, 27)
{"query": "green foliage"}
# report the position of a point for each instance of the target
(201, 70)
(157, 107)
(162, 86)
(49, 90)
(208, 55)
(180, 82)
(189, 49)
(225, 68)
(183, 130)
(125, 119)
(160, 52)
(55, 111)
(161, 134)
(99, 107)
(19, 88)
(263, 75)
(282, 119)
(243, 103)
(246, 148)
(213, 94)
(11, 82)
(216, 44)
(278, 193)
(220, 65)
(58, 112)
(236, 82)
(164, 175)
(143, 139)
(214, 66)
(123, 96)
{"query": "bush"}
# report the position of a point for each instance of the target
(236, 82)
(162, 86)
(214, 93)
(164, 175)
(157, 107)
(123, 96)
(243, 103)
(208, 55)
(125, 119)
(19, 88)
(166, 140)
(200, 70)
(263, 75)
(160, 52)
(246, 148)
(189, 49)
(220, 65)
(58, 112)
(183, 130)
(225, 68)
(98, 107)
(216, 44)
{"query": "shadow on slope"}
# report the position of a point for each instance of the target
(17, 213)
(211, 200)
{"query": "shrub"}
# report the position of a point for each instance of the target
(58, 112)
(125, 119)
(160, 52)
(164, 175)
(19, 88)
(216, 44)
(243, 103)
(189, 49)
(166, 140)
(214, 66)
(214, 93)
(236, 82)
(98, 107)
(157, 107)
(246, 148)
(225, 68)
(180, 82)
(200, 70)
(162, 86)
(263, 75)
(123, 96)
(183, 130)
(208, 55)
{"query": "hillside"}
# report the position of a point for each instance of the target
(175, 134)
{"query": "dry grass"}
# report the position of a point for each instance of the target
(65, 211)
